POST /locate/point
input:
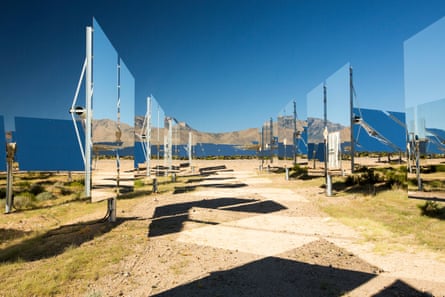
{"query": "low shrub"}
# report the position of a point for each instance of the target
(139, 183)
(396, 177)
(369, 177)
(2, 193)
(44, 196)
(298, 171)
(24, 200)
(36, 189)
(432, 209)
(437, 168)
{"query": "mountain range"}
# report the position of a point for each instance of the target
(104, 130)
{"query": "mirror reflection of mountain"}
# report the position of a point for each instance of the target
(316, 128)
(104, 130)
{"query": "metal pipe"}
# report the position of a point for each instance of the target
(89, 110)
(351, 106)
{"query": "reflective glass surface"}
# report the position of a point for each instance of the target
(379, 131)
(315, 116)
(338, 100)
(113, 120)
(47, 145)
(290, 130)
(105, 81)
(335, 90)
(430, 116)
(150, 143)
(126, 112)
(158, 137)
(424, 64)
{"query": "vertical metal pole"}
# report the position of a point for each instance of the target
(158, 151)
(325, 119)
(169, 143)
(271, 140)
(262, 146)
(112, 201)
(89, 110)
(165, 150)
(295, 151)
(10, 152)
(419, 180)
(328, 185)
(351, 115)
(190, 148)
(8, 204)
(148, 138)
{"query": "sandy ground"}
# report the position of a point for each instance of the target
(243, 235)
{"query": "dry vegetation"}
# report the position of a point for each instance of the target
(56, 244)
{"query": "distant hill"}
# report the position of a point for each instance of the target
(181, 132)
(317, 128)
(104, 130)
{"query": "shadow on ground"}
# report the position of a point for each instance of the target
(280, 277)
(185, 189)
(55, 242)
(10, 234)
(170, 218)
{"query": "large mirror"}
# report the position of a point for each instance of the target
(53, 141)
(149, 137)
(329, 120)
(291, 127)
(315, 126)
(424, 64)
(113, 121)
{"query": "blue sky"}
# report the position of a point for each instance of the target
(218, 65)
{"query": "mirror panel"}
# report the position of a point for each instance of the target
(424, 64)
(106, 132)
(53, 141)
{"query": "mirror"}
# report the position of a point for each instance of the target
(424, 101)
(113, 121)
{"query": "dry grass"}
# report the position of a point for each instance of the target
(59, 247)
(390, 220)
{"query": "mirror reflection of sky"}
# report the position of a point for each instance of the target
(288, 109)
(424, 61)
(315, 102)
(127, 95)
(337, 97)
(105, 76)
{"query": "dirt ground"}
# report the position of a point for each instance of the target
(241, 234)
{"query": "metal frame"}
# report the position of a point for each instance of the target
(88, 107)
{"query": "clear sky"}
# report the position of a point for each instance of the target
(218, 65)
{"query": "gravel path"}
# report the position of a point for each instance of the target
(244, 235)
